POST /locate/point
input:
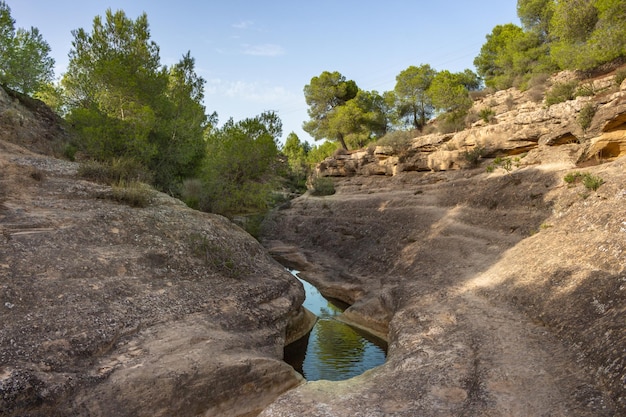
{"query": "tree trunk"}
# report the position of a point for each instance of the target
(342, 141)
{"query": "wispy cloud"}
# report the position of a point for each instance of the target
(249, 91)
(267, 49)
(243, 24)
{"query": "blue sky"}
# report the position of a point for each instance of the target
(258, 56)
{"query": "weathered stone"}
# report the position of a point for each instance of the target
(112, 310)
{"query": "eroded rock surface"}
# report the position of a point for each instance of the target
(500, 294)
(109, 310)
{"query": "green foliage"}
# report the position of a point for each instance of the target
(536, 15)
(69, 151)
(572, 177)
(588, 33)
(620, 76)
(487, 114)
(320, 152)
(585, 117)
(25, 64)
(561, 92)
(507, 164)
(474, 155)
(340, 112)
(450, 96)
(324, 94)
(590, 181)
(298, 167)
(239, 167)
(448, 93)
(134, 193)
(322, 186)
(398, 140)
(566, 34)
(124, 103)
(511, 54)
(119, 170)
(192, 192)
(413, 103)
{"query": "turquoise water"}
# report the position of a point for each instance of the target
(333, 350)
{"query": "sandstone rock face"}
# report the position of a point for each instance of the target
(520, 126)
(499, 294)
(109, 310)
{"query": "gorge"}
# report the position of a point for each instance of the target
(500, 293)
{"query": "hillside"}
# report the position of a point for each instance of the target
(501, 294)
(113, 310)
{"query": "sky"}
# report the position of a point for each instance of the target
(258, 55)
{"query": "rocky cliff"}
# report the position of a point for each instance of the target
(518, 124)
(111, 310)
(502, 293)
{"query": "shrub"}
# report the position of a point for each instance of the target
(590, 181)
(322, 186)
(451, 122)
(620, 76)
(192, 192)
(118, 170)
(487, 114)
(69, 151)
(561, 92)
(506, 163)
(473, 156)
(398, 140)
(135, 194)
(572, 177)
(585, 116)
(585, 90)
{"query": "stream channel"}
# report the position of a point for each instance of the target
(333, 350)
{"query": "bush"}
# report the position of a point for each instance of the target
(561, 92)
(117, 171)
(451, 122)
(135, 194)
(585, 90)
(590, 181)
(322, 186)
(572, 177)
(69, 151)
(473, 156)
(398, 140)
(620, 76)
(487, 114)
(192, 192)
(506, 163)
(585, 117)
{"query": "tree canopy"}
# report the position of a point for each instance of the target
(25, 64)
(563, 34)
(238, 171)
(324, 95)
(413, 103)
(126, 104)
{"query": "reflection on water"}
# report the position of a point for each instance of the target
(333, 350)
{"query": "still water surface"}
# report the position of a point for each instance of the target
(333, 350)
